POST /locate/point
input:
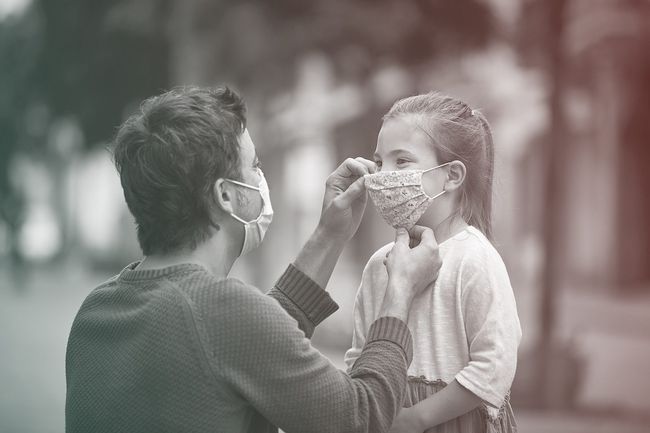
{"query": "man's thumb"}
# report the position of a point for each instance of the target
(402, 236)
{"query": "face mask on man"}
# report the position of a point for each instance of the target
(399, 195)
(255, 230)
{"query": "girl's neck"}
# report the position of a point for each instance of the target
(448, 227)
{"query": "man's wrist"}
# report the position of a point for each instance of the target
(395, 303)
(318, 256)
(395, 308)
(326, 236)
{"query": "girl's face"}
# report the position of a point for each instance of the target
(401, 145)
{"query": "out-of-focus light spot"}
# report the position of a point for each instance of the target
(11, 7)
(99, 202)
(40, 236)
(390, 83)
(4, 239)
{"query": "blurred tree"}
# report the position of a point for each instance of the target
(599, 47)
(256, 43)
(89, 61)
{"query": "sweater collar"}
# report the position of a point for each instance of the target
(130, 273)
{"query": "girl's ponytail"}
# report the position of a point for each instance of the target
(484, 218)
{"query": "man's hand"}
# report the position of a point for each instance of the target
(345, 198)
(412, 265)
(343, 206)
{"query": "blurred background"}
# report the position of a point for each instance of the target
(564, 83)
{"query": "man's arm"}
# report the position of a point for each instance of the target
(303, 299)
(296, 388)
(292, 385)
(300, 290)
(344, 203)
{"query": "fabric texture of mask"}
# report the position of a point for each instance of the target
(399, 196)
(255, 230)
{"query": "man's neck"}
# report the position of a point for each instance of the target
(213, 255)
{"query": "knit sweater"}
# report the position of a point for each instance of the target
(179, 350)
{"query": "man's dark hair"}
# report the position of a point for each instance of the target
(170, 154)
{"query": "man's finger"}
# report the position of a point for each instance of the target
(401, 237)
(428, 238)
(351, 168)
(352, 193)
(416, 232)
(370, 165)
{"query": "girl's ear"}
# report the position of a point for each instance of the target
(455, 175)
(224, 195)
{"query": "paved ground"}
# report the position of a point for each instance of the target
(35, 321)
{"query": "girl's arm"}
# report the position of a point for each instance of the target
(448, 403)
(493, 334)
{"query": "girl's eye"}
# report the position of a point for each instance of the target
(378, 164)
(402, 161)
(257, 164)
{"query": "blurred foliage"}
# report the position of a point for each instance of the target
(256, 43)
(93, 61)
(85, 60)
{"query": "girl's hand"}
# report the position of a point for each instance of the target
(406, 422)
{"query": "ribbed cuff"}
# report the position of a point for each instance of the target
(315, 302)
(392, 329)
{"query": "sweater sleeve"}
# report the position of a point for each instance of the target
(303, 299)
(492, 326)
(268, 361)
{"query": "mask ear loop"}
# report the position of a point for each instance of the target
(245, 185)
(255, 188)
(433, 168)
(437, 166)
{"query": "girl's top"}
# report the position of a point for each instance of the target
(464, 325)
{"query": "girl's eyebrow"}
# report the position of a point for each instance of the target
(397, 151)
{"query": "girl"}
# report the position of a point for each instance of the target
(465, 326)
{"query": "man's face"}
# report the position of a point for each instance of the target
(249, 201)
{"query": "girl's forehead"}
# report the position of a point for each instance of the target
(403, 133)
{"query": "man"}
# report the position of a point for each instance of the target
(172, 344)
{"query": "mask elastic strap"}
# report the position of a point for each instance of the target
(437, 166)
(437, 195)
(240, 219)
(245, 185)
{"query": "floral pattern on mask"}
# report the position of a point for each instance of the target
(398, 196)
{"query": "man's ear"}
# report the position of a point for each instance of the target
(224, 195)
(455, 175)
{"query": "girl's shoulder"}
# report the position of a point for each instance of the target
(376, 261)
(472, 251)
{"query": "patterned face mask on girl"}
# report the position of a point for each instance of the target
(399, 196)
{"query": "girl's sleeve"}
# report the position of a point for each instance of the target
(492, 327)
(359, 331)
(372, 287)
